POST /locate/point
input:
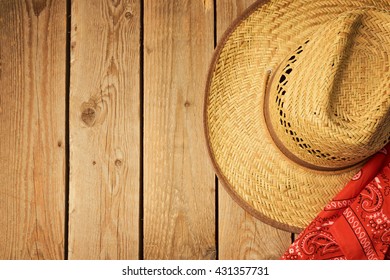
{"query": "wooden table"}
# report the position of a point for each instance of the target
(102, 151)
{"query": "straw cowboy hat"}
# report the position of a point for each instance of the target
(297, 99)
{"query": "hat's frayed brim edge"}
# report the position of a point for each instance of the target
(258, 215)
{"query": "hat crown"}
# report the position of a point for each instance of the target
(328, 102)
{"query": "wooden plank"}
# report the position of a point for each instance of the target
(241, 236)
(104, 130)
(179, 192)
(32, 129)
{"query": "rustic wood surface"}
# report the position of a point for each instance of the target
(104, 198)
(179, 192)
(102, 149)
(32, 129)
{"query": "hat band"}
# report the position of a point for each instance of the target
(283, 149)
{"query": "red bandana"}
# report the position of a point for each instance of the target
(356, 223)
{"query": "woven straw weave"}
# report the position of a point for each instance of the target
(325, 68)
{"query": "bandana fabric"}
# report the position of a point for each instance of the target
(355, 225)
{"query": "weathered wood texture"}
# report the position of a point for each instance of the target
(179, 191)
(106, 137)
(104, 130)
(241, 236)
(32, 129)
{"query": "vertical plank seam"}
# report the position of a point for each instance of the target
(216, 178)
(141, 93)
(67, 128)
(216, 219)
(215, 24)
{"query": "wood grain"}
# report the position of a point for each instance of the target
(104, 130)
(32, 129)
(179, 192)
(241, 236)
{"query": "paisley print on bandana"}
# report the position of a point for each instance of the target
(357, 176)
(319, 243)
(371, 198)
(356, 223)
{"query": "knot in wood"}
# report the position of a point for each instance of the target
(118, 163)
(88, 116)
(129, 15)
(211, 253)
(38, 6)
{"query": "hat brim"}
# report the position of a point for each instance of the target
(254, 171)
